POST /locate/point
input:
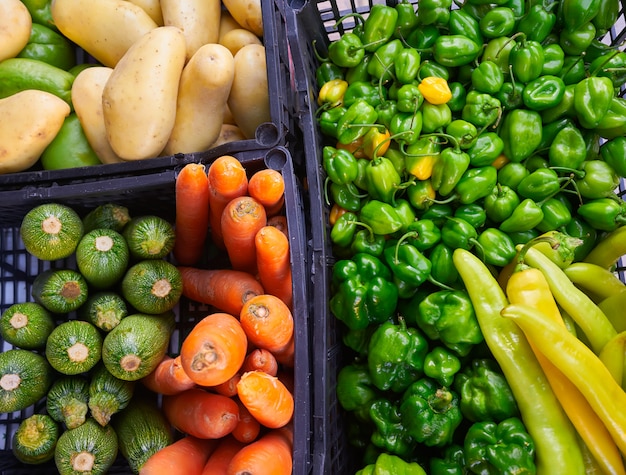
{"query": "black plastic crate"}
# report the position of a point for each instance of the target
(279, 131)
(311, 26)
(154, 193)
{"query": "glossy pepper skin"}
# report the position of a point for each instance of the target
(339, 164)
(537, 23)
(526, 60)
(379, 26)
(407, 263)
(355, 390)
(455, 50)
(389, 432)
(448, 169)
(442, 365)
(381, 217)
(485, 394)
(504, 447)
(476, 183)
(356, 121)
(443, 270)
(592, 99)
(451, 462)
(448, 316)
(347, 51)
(388, 464)
(605, 214)
(521, 133)
(430, 412)
(46, 45)
(364, 293)
(568, 149)
(396, 356)
(497, 22)
(41, 13)
(382, 179)
(69, 148)
(496, 246)
(613, 152)
(481, 109)
(544, 92)
(524, 217)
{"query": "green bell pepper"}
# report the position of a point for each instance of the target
(358, 72)
(459, 94)
(407, 19)
(539, 185)
(423, 39)
(504, 447)
(615, 117)
(521, 133)
(356, 121)
(406, 127)
(451, 461)
(481, 109)
(498, 22)
(368, 242)
(510, 95)
(381, 217)
(568, 149)
(498, 50)
(455, 50)
(327, 71)
(329, 119)
(579, 228)
(41, 12)
(407, 65)
(346, 196)
(512, 174)
(382, 179)
(484, 391)
(565, 109)
(343, 231)
(382, 65)
(556, 215)
(339, 164)
(487, 77)
(69, 148)
(592, 99)
(524, 217)
(613, 152)
(611, 65)
(389, 432)
(549, 131)
(395, 356)
(407, 263)
(391, 464)
(473, 213)
(46, 45)
(575, 42)
(421, 194)
(409, 98)
(430, 413)
(358, 340)
(500, 203)
(606, 17)
(538, 23)
(363, 291)
(457, 232)
(526, 59)
(347, 51)
(463, 132)
(364, 90)
(443, 270)
(386, 110)
(355, 390)
(434, 12)
(486, 148)
(574, 69)
(496, 247)
(476, 183)
(441, 365)
(435, 117)
(553, 59)
(449, 169)
(604, 214)
(448, 316)
(379, 26)
(462, 23)
(578, 12)
(430, 68)
(543, 93)
(423, 234)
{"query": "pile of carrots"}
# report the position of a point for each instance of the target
(229, 391)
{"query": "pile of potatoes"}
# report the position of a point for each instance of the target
(172, 76)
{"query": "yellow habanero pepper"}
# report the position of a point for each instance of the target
(435, 90)
(332, 92)
(376, 142)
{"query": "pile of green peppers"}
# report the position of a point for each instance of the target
(477, 125)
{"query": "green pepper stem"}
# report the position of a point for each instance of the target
(356, 15)
(319, 57)
(403, 238)
(450, 138)
(364, 225)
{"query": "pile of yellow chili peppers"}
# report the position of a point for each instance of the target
(558, 331)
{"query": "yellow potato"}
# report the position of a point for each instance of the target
(249, 100)
(139, 99)
(87, 100)
(202, 94)
(228, 133)
(152, 8)
(237, 38)
(15, 25)
(103, 28)
(29, 121)
(199, 21)
(227, 23)
(247, 13)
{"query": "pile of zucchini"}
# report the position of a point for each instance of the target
(89, 334)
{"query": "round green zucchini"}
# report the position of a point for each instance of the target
(25, 376)
(109, 216)
(60, 290)
(74, 347)
(104, 309)
(152, 286)
(51, 231)
(26, 325)
(67, 400)
(35, 439)
(102, 257)
(108, 394)
(88, 449)
(149, 237)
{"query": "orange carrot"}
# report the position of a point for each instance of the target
(241, 220)
(168, 378)
(217, 464)
(267, 186)
(192, 213)
(187, 455)
(266, 397)
(201, 413)
(267, 322)
(248, 428)
(214, 350)
(262, 360)
(225, 289)
(274, 263)
(269, 455)
(286, 356)
(227, 388)
(227, 180)
(279, 221)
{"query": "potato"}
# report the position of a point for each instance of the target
(247, 13)
(139, 99)
(228, 133)
(87, 100)
(15, 25)
(249, 100)
(227, 23)
(103, 28)
(237, 38)
(29, 121)
(152, 8)
(199, 21)
(202, 94)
